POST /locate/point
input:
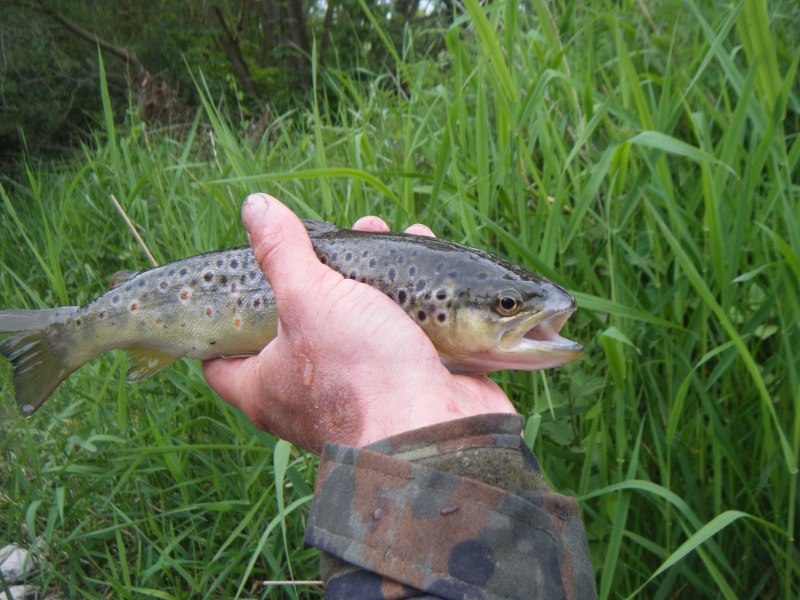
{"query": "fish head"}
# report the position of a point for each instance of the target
(511, 321)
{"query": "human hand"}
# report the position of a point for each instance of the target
(348, 365)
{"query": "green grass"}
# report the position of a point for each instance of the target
(645, 155)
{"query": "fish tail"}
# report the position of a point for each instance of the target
(38, 367)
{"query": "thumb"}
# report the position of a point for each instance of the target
(283, 250)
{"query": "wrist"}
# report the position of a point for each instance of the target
(417, 407)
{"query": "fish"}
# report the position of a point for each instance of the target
(481, 312)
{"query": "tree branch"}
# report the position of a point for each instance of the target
(124, 53)
(232, 50)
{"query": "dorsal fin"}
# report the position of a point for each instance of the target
(318, 227)
(120, 277)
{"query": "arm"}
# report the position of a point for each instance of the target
(425, 485)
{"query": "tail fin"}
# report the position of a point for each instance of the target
(37, 368)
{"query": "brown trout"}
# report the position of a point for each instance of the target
(481, 312)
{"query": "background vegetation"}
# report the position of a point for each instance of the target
(643, 153)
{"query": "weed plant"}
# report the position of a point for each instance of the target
(643, 154)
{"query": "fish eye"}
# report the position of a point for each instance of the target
(508, 303)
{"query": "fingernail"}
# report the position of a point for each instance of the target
(254, 208)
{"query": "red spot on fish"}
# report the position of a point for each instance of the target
(233, 288)
(237, 322)
(113, 323)
(184, 295)
(209, 312)
(158, 321)
(256, 303)
(134, 307)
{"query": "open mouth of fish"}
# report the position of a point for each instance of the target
(540, 333)
(546, 332)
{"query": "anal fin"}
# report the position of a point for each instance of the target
(147, 361)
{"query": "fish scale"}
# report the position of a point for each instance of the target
(482, 313)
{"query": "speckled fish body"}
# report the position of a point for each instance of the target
(481, 312)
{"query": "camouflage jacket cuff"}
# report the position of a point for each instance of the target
(453, 510)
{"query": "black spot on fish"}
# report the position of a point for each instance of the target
(163, 285)
(234, 264)
(324, 260)
(439, 267)
(392, 274)
(421, 315)
(142, 283)
(448, 304)
(353, 275)
(373, 262)
(183, 272)
(77, 322)
(243, 279)
(362, 279)
(441, 317)
(220, 262)
(193, 283)
(401, 259)
(421, 285)
(171, 272)
(223, 279)
(482, 276)
(441, 295)
(364, 254)
(102, 315)
(412, 271)
(208, 276)
(348, 256)
(253, 274)
(401, 296)
(392, 251)
(239, 302)
(452, 275)
(212, 342)
(335, 256)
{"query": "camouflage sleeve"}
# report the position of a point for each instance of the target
(456, 510)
